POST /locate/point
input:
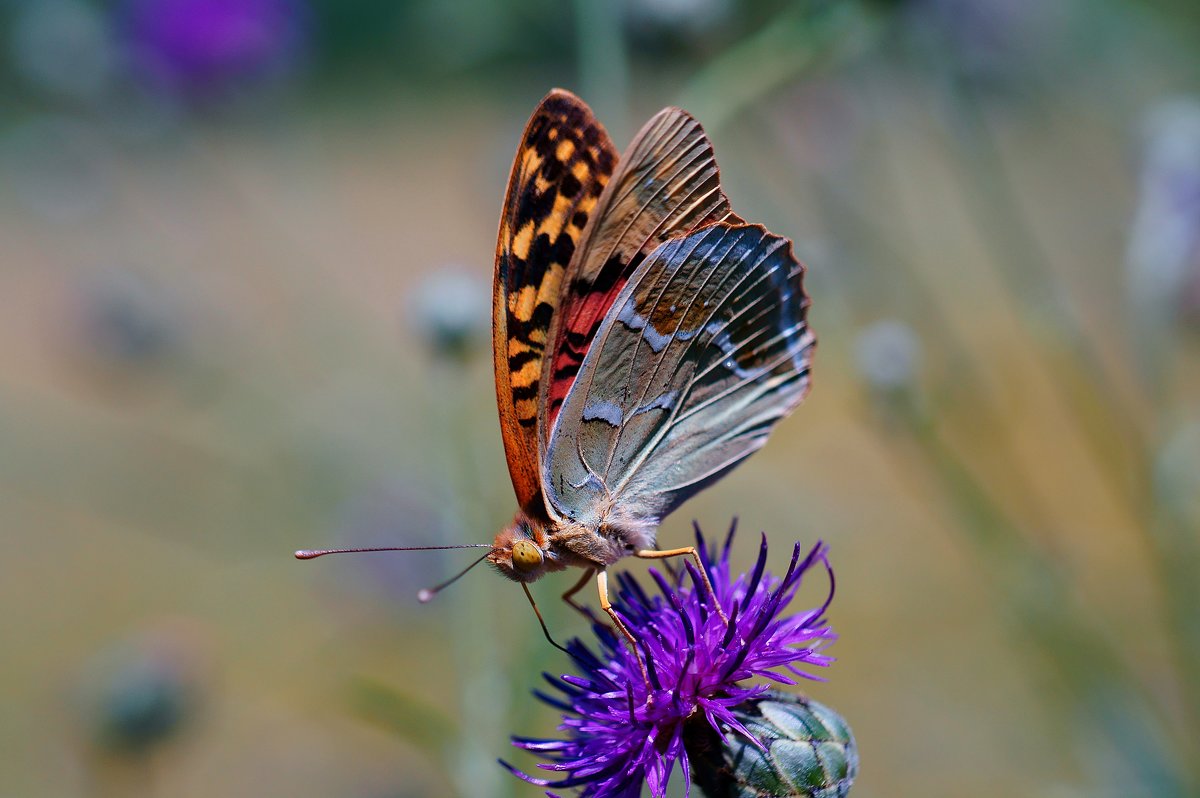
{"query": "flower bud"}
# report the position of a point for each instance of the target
(809, 751)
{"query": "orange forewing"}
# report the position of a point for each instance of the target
(562, 164)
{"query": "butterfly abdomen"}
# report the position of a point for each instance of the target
(603, 544)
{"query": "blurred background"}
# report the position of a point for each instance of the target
(245, 259)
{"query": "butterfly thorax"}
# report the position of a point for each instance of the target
(530, 546)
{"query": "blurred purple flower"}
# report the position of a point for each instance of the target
(992, 40)
(206, 46)
(1164, 246)
(619, 733)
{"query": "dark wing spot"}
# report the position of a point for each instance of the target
(570, 186)
(534, 204)
(551, 169)
(517, 362)
(544, 251)
(567, 370)
(525, 392)
(523, 330)
(542, 314)
(536, 130)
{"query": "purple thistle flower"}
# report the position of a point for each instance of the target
(621, 734)
(204, 46)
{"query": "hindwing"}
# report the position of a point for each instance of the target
(666, 184)
(702, 352)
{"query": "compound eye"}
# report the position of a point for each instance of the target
(526, 556)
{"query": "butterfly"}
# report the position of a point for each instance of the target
(646, 339)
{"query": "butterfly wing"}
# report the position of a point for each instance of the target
(703, 351)
(562, 164)
(666, 185)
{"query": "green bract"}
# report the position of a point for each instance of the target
(810, 752)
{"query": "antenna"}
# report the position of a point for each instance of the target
(312, 554)
(425, 595)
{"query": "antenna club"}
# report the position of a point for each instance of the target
(425, 595)
(308, 554)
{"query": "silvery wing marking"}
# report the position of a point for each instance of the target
(703, 351)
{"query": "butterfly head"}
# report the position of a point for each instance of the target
(522, 551)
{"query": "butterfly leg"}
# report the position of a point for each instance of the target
(690, 551)
(606, 605)
(569, 596)
(541, 620)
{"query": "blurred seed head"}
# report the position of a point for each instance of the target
(451, 311)
(125, 320)
(203, 48)
(1163, 259)
(888, 356)
(64, 48)
(674, 19)
(141, 693)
